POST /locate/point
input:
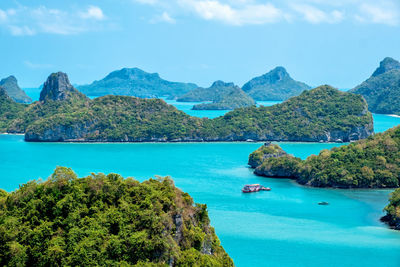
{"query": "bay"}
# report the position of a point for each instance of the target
(283, 227)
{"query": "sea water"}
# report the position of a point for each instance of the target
(283, 227)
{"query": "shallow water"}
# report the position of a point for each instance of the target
(283, 227)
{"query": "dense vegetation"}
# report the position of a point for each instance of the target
(136, 82)
(10, 85)
(370, 163)
(382, 89)
(223, 96)
(105, 220)
(9, 110)
(274, 85)
(322, 114)
(393, 210)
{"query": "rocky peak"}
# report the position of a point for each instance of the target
(386, 65)
(279, 73)
(57, 87)
(9, 80)
(222, 84)
(132, 74)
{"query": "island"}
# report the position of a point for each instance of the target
(105, 220)
(223, 95)
(136, 82)
(392, 217)
(368, 163)
(10, 85)
(274, 85)
(382, 89)
(63, 114)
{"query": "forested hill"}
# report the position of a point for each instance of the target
(223, 96)
(9, 109)
(274, 85)
(105, 220)
(393, 210)
(58, 96)
(136, 82)
(322, 114)
(382, 89)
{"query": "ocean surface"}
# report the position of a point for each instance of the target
(283, 227)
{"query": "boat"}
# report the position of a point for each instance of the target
(323, 203)
(252, 188)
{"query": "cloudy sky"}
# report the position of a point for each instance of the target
(318, 41)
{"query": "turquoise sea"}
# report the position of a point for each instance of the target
(283, 227)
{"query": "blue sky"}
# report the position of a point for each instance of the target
(319, 41)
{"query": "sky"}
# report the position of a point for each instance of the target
(337, 42)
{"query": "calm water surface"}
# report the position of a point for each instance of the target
(283, 227)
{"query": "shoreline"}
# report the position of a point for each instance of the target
(12, 134)
(177, 142)
(394, 115)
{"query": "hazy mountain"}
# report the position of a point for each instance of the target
(274, 85)
(136, 82)
(382, 89)
(10, 84)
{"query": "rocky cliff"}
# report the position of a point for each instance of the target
(57, 88)
(10, 84)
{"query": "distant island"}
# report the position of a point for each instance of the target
(105, 220)
(10, 85)
(382, 89)
(136, 82)
(223, 96)
(63, 114)
(274, 85)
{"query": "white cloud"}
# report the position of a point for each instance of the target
(243, 14)
(147, 2)
(93, 12)
(246, 12)
(164, 17)
(373, 13)
(26, 21)
(20, 31)
(31, 65)
(315, 15)
(3, 15)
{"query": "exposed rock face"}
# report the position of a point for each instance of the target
(10, 84)
(386, 65)
(57, 87)
(274, 85)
